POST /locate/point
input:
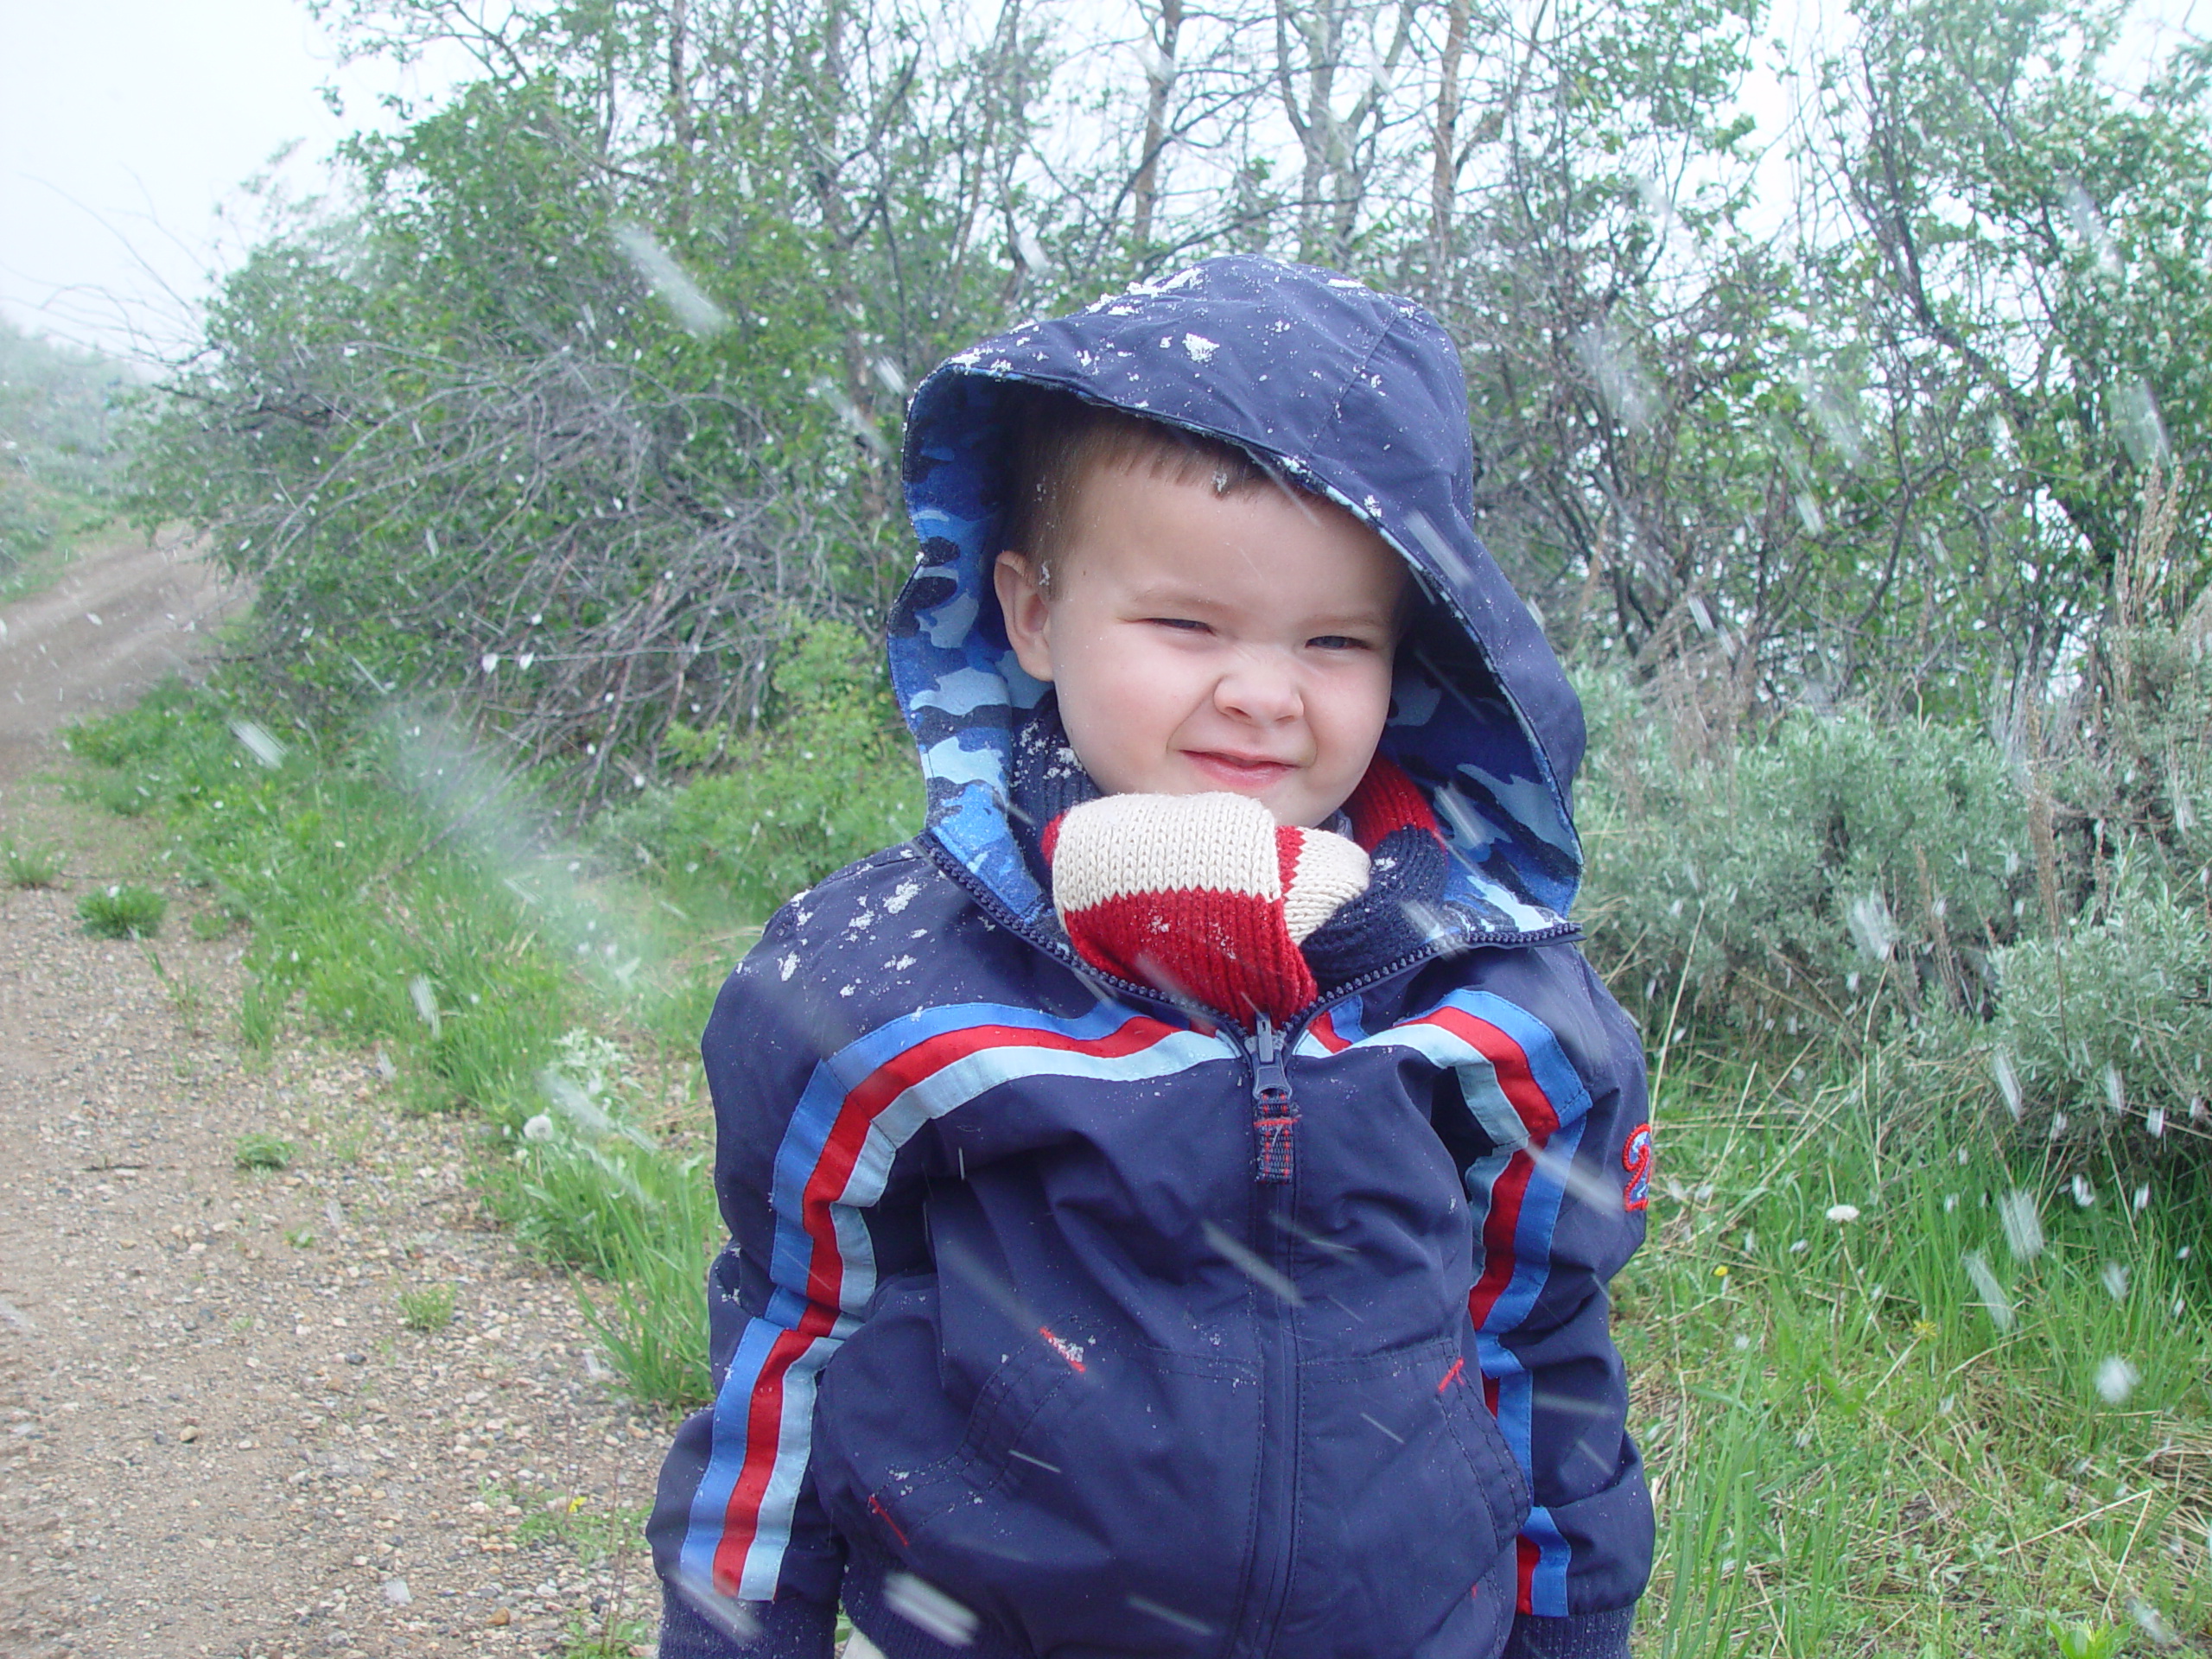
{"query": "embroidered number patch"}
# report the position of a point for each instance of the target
(1636, 1159)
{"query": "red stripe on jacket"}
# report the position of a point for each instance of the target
(825, 1273)
(1539, 1121)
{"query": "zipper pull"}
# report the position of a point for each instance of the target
(1274, 1116)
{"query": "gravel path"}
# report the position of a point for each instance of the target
(217, 1435)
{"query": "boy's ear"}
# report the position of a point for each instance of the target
(1027, 613)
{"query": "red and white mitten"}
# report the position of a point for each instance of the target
(1203, 896)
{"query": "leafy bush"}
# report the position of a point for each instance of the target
(1835, 869)
(2114, 1022)
(122, 912)
(831, 779)
(25, 529)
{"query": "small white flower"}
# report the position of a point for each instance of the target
(1841, 1213)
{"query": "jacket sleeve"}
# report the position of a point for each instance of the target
(749, 1562)
(1559, 1198)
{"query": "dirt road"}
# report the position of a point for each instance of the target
(217, 1435)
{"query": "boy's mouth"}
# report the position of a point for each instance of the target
(1239, 772)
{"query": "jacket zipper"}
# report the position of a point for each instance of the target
(1274, 1119)
(1275, 1543)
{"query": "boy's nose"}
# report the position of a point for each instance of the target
(1257, 687)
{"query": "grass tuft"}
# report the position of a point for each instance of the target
(123, 912)
(427, 1310)
(257, 1149)
(28, 866)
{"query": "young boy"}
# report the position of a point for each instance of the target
(1172, 1199)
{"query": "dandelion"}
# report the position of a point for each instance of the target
(2116, 1380)
(1843, 1214)
(1992, 1294)
(2017, 1213)
(539, 1127)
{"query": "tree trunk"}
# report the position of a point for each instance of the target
(1160, 75)
(1444, 180)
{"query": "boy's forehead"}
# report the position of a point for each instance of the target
(1369, 578)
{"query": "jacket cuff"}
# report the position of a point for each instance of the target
(788, 1627)
(1583, 1635)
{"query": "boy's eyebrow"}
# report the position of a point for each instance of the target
(1168, 593)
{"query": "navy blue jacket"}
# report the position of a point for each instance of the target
(1014, 1353)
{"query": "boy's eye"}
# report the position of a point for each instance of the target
(1337, 642)
(1184, 623)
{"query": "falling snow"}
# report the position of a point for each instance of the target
(2116, 1380)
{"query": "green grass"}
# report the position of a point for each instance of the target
(121, 912)
(42, 529)
(1855, 1447)
(28, 866)
(257, 1149)
(612, 1635)
(428, 1309)
(595, 1535)
(407, 900)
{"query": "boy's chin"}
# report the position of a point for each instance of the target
(1292, 807)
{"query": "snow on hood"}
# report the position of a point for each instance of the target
(1354, 395)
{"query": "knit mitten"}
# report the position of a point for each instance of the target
(1203, 896)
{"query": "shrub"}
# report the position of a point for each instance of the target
(831, 779)
(2113, 1023)
(122, 912)
(1835, 869)
(25, 530)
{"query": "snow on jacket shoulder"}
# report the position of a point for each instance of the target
(1013, 1353)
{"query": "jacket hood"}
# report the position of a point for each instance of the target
(1353, 395)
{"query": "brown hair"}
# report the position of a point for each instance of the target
(1057, 440)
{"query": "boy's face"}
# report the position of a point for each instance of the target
(1203, 642)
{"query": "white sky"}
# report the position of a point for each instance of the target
(125, 125)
